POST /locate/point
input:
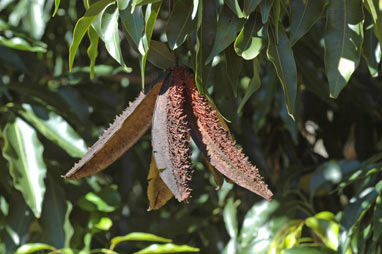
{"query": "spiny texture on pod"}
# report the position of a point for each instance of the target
(176, 110)
(222, 152)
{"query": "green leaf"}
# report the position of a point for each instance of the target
(204, 41)
(250, 6)
(373, 6)
(251, 41)
(83, 25)
(353, 214)
(303, 15)
(56, 129)
(106, 25)
(33, 247)
(133, 23)
(265, 9)
(138, 236)
(143, 2)
(104, 223)
(326, 229)
(309, 248)
(56, 6)
(93, 49)
(235, 7)
(160, 56)
(230, 218)
(233, 64)
(377, 219)
(264, 217)
(343, 42)
(23, 152)
(281, 55)
(331, 173)
(68, 228)
(254, 84)
(180, 23)
(152, 11)
(106, 200)
(167, 248)
(20, 43)
(371, 49)
(53, 215)
(227, 28)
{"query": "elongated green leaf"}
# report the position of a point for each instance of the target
(303, 15)
(56, 6)
(180, 23)
(143, 2)
(281, 55)
(167, 248)
(353, 214)
(265, 9)
(160, 56)
(235, 7)
(250, 6)
(138, 236)
(227, 28)
(21, 44)
(230, 218)
(327, 230)
(53, 215)
(253, 86)
(233, 63)
(33, 247)
(106, 25)
(93, 49)
(56, 129)
(343, 42)
(371, 49)
(152, 11)
(251, 39)
(23, 152)
(377, 219)
(68, 228)
(83, 25)
(373, 6)
(133, 23)
(206, 25)
(309, 248)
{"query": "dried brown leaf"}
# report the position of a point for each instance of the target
(125, 131)
(157, 191)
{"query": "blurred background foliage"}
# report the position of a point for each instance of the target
(272, 67)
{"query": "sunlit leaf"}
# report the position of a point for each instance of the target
(377, 219)
(20, 43)
(23, 152)
(33, 247)
(83, 25)
(56, 6)
(230, 218)
(309, 248)
(138, 236)
(251, 41)
(343, 41)
(371, 49)
(167, 248)
(92, 49)
(326, 229)
(235, 7)
(56, 129)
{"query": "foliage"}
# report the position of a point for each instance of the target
(298, 80)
